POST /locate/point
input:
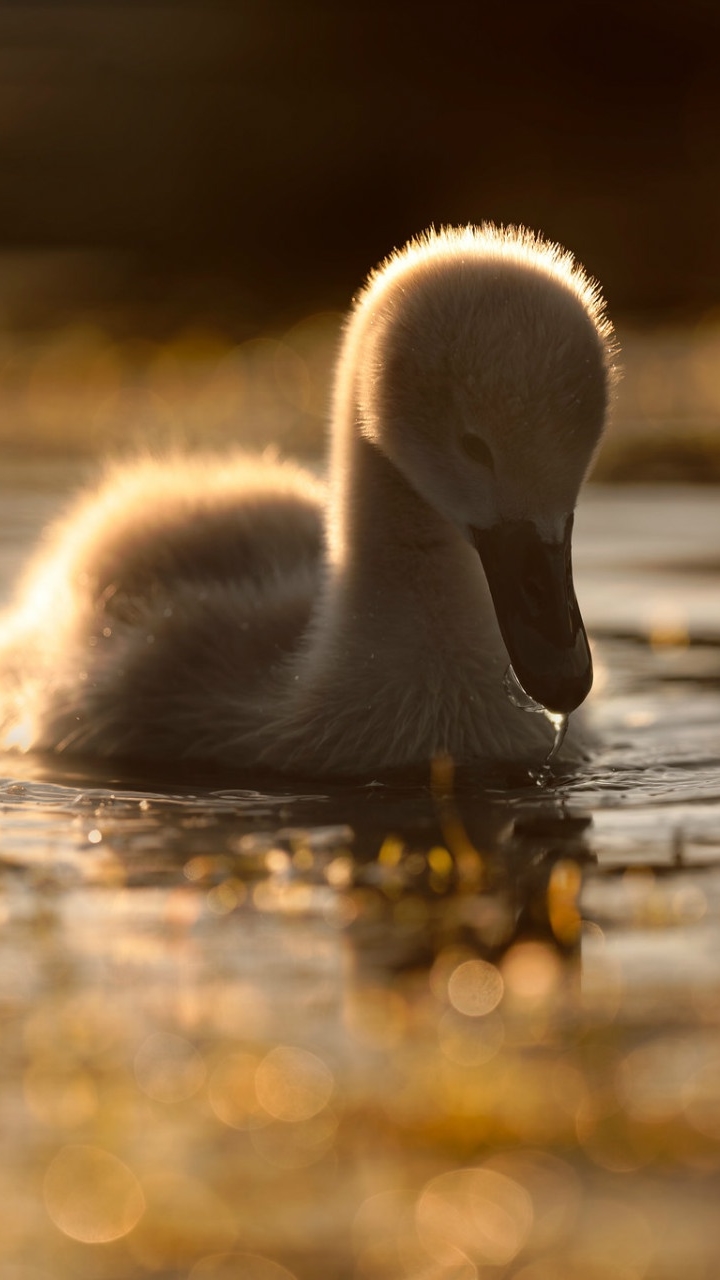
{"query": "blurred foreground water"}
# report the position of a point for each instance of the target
(257, 1031)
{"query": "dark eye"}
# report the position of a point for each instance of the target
(477, 449)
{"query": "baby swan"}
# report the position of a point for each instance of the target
(231, 611)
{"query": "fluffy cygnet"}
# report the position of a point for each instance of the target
(235, 610)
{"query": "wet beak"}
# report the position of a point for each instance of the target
(532, 589)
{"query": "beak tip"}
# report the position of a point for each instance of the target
(558, 690)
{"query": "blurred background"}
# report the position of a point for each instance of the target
(193, 190)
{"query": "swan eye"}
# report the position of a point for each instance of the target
(477, 449)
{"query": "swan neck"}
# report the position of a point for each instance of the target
(378, 520)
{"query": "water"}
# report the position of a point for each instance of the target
(441, 1031)
(557, 720)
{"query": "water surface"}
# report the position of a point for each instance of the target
(442, 1030)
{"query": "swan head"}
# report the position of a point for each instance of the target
(486, 374)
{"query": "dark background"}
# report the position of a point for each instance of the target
(248, 162)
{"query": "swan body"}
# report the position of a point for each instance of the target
(235, 610)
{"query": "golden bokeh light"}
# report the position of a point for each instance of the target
(277, 861)
(224, 898)
(206, 867)
(339, 871)
(440, 861)
(91, 1195)
(668, 627)
(475, 988)
(473, 1214)
(563, 893)
(531, 972)
(293, 1084)
(384, 1237)
(391, 852)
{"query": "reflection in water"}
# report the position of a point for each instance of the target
(466, 875)
(260, 1034)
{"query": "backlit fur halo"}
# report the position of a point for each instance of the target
(507, 244)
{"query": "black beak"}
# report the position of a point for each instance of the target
(532, 589)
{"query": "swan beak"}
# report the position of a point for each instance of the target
(531, 585)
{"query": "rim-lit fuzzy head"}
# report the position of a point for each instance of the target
(487, 364)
